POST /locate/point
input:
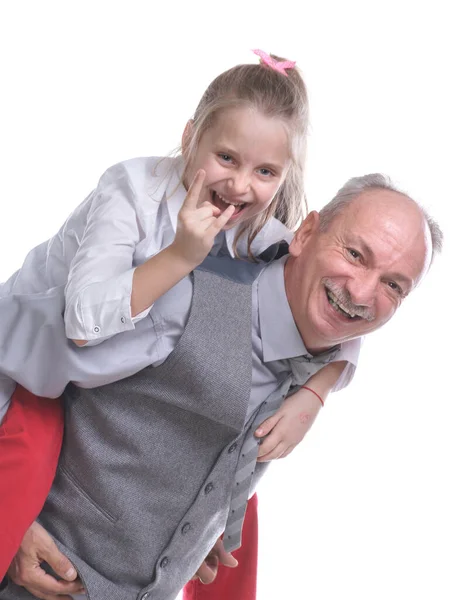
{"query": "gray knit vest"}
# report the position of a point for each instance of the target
(147, 466)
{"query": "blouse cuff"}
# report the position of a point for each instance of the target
(102, 310)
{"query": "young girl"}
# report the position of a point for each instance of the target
(237, 187)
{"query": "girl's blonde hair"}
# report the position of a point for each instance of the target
(277, 96)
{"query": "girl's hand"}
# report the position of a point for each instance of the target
(288, 426)
(198, 224)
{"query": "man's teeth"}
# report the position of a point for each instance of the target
(229, 201)
(334, 302)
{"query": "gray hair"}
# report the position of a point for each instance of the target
(374, 181)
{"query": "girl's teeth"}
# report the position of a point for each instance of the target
(227, 202)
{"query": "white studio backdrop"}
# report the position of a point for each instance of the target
(366, 507)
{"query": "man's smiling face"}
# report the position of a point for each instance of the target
(349, 279)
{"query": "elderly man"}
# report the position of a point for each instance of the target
(155, 467)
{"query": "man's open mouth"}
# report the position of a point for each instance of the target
(339, 306)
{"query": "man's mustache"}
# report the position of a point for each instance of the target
(344, 299)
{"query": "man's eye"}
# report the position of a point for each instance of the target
(354, 253)
(395, 287)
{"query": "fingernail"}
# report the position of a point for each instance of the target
(259, 431)
(70, 573)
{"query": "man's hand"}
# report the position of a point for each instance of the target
(25, 570)
(218, 555)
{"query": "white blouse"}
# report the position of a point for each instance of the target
(129, 217)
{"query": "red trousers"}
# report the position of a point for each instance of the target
(239, 583)
(30, 441)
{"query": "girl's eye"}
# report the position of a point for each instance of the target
(266, 172)
(355, 255)
(225, 157)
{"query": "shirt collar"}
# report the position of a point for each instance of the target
(280, 336)
(274, 231)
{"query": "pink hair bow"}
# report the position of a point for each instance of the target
(276, 65)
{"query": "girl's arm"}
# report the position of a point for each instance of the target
(288, 426)
(113, 272)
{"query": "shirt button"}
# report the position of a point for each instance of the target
(145, 596)
(232, 448)
(96, 329)
(209, 488)
(185, 528)
(122, 319)
(164, 562)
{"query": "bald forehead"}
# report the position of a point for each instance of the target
(380, 200)
(380, 208)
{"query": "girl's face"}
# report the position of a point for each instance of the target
(246, 157)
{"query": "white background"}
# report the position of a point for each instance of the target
(366, 507)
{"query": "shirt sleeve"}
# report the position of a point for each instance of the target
(35, 352)
(350, 352)
(99, 287)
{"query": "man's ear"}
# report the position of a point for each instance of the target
(304, 233)
(187, 136)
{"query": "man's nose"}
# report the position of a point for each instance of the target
(363, 288)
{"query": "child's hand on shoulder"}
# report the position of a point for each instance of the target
(288, 426)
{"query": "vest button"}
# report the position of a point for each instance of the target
(164, 562)
(232, 448)
(209, 488)
(185, 528)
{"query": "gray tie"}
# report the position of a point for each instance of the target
(302, 368)
(246, 465)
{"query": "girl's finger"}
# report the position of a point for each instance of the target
(288, 451)
(221, 221)
(277, 452)
(194, 191)
(265, 427)
(207, 210)
(268, 444)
